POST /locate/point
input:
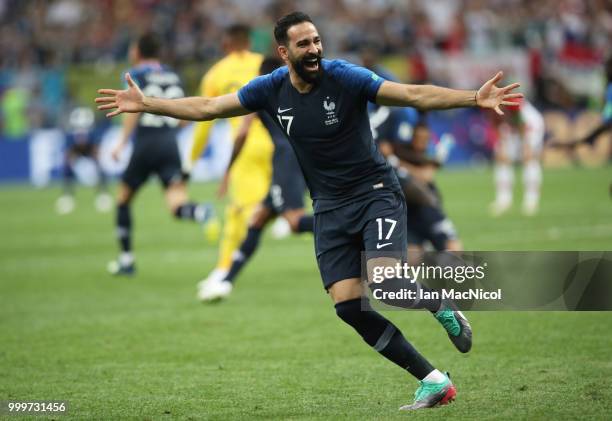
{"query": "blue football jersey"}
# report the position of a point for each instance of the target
(158, 81)
(328, 128)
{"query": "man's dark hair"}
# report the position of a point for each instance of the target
(286, 22)
(149, 45)
(239, 32)
(270, 64)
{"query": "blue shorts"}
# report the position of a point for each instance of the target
(373, 224)
(154, 155)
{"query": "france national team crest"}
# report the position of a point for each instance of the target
(330, 112)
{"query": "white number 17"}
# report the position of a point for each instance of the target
(288, 119)
(392, 222)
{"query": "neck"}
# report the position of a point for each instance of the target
(298, 83)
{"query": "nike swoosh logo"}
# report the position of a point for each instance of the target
(379, 246)
(282, 111)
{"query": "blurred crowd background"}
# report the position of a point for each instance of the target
(53, 53)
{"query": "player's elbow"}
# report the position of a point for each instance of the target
(415, 97)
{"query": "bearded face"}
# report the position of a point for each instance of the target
(308, 65)
(304, 51)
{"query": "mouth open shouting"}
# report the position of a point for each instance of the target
(309, 67)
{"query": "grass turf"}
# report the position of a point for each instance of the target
(143, 348)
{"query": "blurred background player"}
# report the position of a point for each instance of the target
(403, 138)
(427, 221)
(155, 150)
(285, 197)
(250, 175)
(520, 135)
(82, 142)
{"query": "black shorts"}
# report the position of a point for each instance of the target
(375, 224)
(288, 186)
(159, 155)
(85, 150)
(428, 223)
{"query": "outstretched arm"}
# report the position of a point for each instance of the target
(429, 97)
(132, 100)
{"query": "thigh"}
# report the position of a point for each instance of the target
(384, 235)
(168, 162)
(384, 232)
(346, 289)
(138, 169)
(337, 247)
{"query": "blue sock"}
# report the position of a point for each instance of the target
(187, 211)
(242, 256)
(124, 228)
(383, 336)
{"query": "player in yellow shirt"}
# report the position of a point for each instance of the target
(251, 174)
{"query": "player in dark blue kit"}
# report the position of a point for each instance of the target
(82, 141)
(155, 151)
(285, 197)
(322, 107)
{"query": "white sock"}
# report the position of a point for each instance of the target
(126, 258)
(532, 179)
(504, 179)
(435, 376)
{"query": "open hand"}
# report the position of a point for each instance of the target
(490, 96)
(129, 100)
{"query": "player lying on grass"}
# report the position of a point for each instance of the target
(155, 151)
(322, 107)
(285, 197)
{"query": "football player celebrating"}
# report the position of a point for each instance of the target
(322, 107)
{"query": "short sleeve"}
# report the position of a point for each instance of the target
(254, 94)
(357, 79)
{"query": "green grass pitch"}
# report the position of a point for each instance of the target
(144, 348)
